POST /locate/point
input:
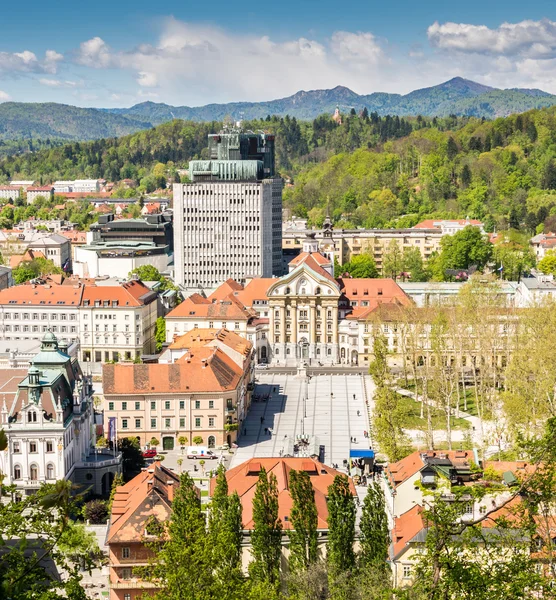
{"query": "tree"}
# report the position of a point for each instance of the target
(182, 441)
(146, 273)
(160, 333)
(224, 531)
(132, 457)
(116, 483)
(266, 537)
(392, 260)
(183, 562)
(413, 263)
(95, 511)
(375, 535)
(547, 264)
(361, 266)
(304, 521)
(341, 529)
(197, 440)
(34, 268)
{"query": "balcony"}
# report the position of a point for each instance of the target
(132, 584)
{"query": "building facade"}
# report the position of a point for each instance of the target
(45, 191)
(56, 248)
(227, 223)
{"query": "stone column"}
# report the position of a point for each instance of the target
(293, 309)
(282, 324)
(335, 337)
(312, 323)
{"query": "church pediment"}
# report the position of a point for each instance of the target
(304, 281)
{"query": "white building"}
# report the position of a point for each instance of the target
(25, 184)
(118, 258)
(63, 186)
(47, 415)
(86, 185)
(10, 192)
(45, 191)
(535, 289)
(56, 248)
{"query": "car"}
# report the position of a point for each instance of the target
(261, 366)
(150, 453)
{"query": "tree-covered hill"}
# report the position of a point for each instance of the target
(372, 171)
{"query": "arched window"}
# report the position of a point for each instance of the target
(287, 350)
(211, 441)
(329, 351)
(17, 472)
(303, 291)
(34, 472)
(50, 471)
(317, 291)
(287, 291)
(31, 416)
(277, 351)
(318, 351)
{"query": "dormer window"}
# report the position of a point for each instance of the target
(32, 416)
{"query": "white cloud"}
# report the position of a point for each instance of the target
(146, 79)
(356, 47)
(27, 62)
(94, 53)
(57, 83)
(4, 97)
(532, 39)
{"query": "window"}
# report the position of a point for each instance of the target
(211, 421)
(153, 423)
(153, 405)
(138, 406)
(125, 553)
(211, 403)
(33, 447)
(17, 472)
(197, 421)
(197, 404)
(50, 471)
(126, 573)
(124, 405)
(137, 423)
(167, 405)
(167, 423)
(236, 325)
(110, 406)
(16, 448)
(182, 422)
(49, 447)
(124, 423)
(34, 473)
(127, 596)
(406, 571)
(182, 404)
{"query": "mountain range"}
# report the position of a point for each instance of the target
(457, 96)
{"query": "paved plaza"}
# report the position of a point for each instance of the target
(335, 412)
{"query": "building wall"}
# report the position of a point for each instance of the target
(179, 326)
(123, 584)
(90, 264)
(32, 322)
(226, 229)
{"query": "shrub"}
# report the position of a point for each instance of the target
(95, 511)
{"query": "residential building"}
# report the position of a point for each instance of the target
(43, 191)
(228, 220)
(118, 258)
(155, 229)
(85, 185)
(63, 186)
(449, 227)
(10, 192)
(204, 393)
(56, 248)
(53, 225)
(243, 480)
(47, 416)
(145, 498)
(344, 244)
(117, 322)
(542, 243)
(19, 354)
(445, 293)
(24, 184)
(535, 288)
(6, 279)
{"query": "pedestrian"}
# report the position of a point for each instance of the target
(358, 413)
(262, 420)
(265, 430)
(354, 396)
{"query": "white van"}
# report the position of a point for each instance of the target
(200, 452)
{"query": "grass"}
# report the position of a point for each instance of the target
(412, 416)
(469, 392)
(204, 493)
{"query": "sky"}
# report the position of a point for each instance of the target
(119, 53)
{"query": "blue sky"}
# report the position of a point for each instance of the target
(120, 53)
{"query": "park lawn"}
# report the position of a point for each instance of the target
(412, 416)
(469, 392)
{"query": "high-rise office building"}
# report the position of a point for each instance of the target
(228, 221)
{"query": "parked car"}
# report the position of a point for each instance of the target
(150, 453)
(200, 452)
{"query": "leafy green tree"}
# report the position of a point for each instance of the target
(392, 260)
(132, 457)
(547, 264)
(183, 563)
(413, 264)
(341, 529)
(197, 440)
(34, 268)
(375, 536)
(266, 537)
(304, 521)
(361, 266)
(225, 535)
(160, 333)
(116, 483)
(146, 273)
(95, 511)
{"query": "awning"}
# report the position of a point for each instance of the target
(362, 453)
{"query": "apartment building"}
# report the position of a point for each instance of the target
(43, 191)
(344, 244)
(117, 322)
(147, 496)
(227, 222)
(56, 248)
(205, 392)
(10, 192)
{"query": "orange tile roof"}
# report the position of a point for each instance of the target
(243, 480)
(48, 294)
(435, 223)
(225, 289)
(201, 370)
(314, 260)
(198, 338)
(406, 527)
(75, 237)
(131, 293)
(378, 290)
(148, 494)
(30, 254)
(256, 289)
(197, 307)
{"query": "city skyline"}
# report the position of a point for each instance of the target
(110, 56)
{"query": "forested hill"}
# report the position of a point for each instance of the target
(373, 171)
(28, 127)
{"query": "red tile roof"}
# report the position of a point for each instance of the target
(406, 527)
(435, 223)
(314, 260)
(131, 293)
(201, 370)
(225, 289)
(34, 295)
(197, 307)
(243, 480)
